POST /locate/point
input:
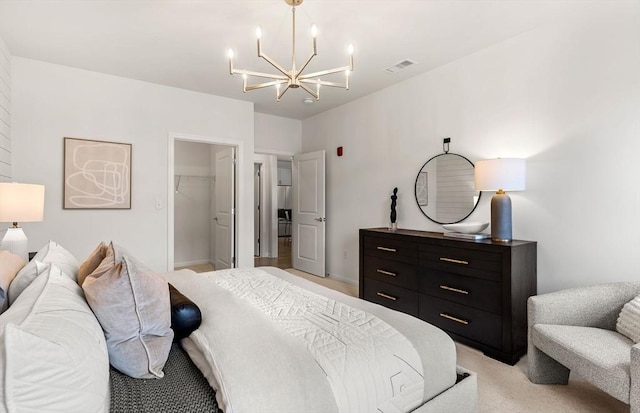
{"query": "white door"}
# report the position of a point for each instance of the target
(308, 235)
(224, 219)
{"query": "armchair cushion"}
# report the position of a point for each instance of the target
(629, 320)
(601, 356)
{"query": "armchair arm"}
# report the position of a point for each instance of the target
(634, 391)
(592, 306)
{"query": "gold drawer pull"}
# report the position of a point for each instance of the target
(389, 297)
(452, 318)
(387, 249)
(454, 261)
(455, 290)
(392, 274)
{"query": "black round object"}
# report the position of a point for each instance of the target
(185, 314)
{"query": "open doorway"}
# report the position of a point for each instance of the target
(274, 191)
(203, 206)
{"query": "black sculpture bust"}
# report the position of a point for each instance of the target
(393, 215)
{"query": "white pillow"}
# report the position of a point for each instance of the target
(629, 320)
(52, 350)
(52, 252)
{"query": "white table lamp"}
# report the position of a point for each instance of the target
(500, 175)
(19, 203)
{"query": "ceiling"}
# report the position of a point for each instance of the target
(183, 43)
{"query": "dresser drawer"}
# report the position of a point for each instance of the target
(391, 296)
(464, 261)
(473, 292)
(391, 249)
(468, 322)
(392, 272)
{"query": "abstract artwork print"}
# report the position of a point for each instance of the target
(97, 174)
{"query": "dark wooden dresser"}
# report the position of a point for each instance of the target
(475, 290)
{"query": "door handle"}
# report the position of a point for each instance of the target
(320, 219)
(215, 218)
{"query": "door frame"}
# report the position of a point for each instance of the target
(172, 137)
(273, 223)
(258, 188)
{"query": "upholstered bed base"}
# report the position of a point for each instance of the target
(460, 398)
(185, 389)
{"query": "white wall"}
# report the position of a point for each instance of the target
(277, 135)
(50, 102)
(5, 113)
(565, 97)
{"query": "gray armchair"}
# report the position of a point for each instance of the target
(575, 330)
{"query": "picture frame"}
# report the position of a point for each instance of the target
(97, 174)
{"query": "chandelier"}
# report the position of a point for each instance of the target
(294, 78)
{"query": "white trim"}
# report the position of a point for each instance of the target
(279, 154)
(239, 185)
(189, 263)
(342, 278)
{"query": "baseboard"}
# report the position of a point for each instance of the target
(188, 263)
(343, 279)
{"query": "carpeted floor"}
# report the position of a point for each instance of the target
(504, 388)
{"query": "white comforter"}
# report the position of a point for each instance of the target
(267, 345)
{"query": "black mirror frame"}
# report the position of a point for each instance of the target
(416, 195)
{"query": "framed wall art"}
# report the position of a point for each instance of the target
(97, 174)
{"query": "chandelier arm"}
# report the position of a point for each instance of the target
(323, 83)
(282, 92)
(305, 64)
(309, 91)
(261, 85)
(324, 73)
(259, 74)
(276, 65)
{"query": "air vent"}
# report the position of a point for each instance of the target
(400, 66)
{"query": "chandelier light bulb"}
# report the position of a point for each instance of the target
(350, 49)
(296, 77)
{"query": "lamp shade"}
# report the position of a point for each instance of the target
(21, 202)
(508, 174)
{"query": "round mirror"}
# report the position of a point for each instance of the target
(445, 189)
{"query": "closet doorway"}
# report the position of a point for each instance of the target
(203, 205)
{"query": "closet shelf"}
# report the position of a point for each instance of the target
(179, 178)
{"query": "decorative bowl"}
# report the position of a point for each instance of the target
(467, 227)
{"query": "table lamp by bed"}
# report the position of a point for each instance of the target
(500, 175)
(19, 203)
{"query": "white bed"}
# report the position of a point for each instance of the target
(262, 348)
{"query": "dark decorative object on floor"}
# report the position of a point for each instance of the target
(393, 215)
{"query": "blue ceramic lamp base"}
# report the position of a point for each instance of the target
(501, 217)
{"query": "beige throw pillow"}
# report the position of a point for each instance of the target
(10, 264)
(92, 262)
(132, 304)
(629, 320)
(54, 356)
